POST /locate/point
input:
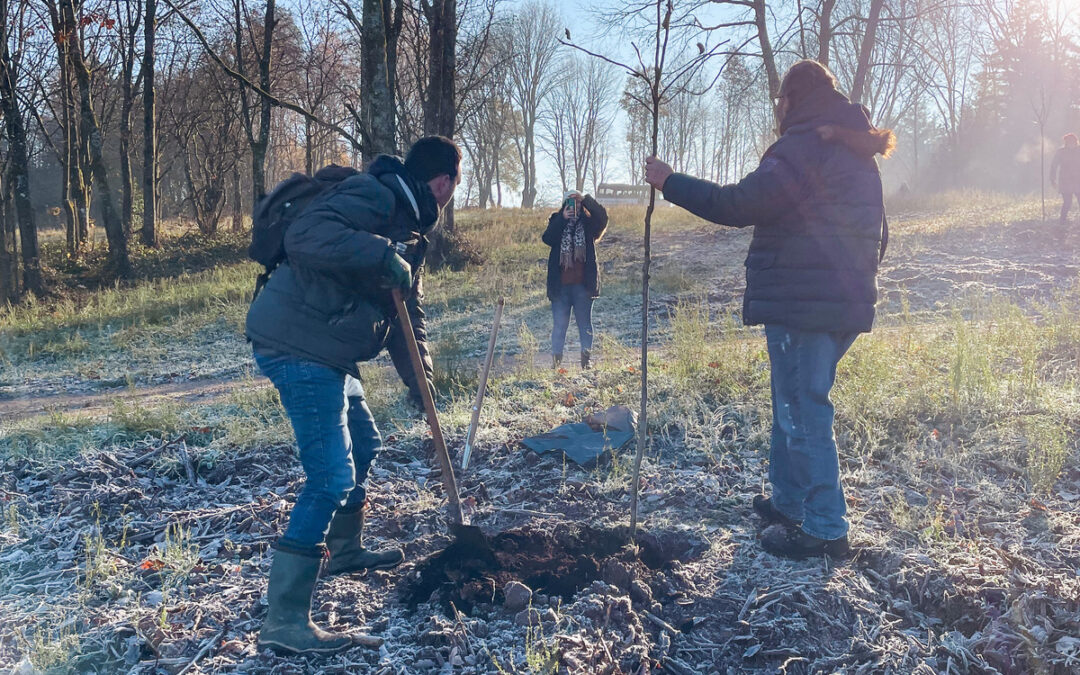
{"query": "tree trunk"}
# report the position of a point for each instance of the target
(767, 55)
(126, 187)
(260, 142)
(440, 108)
(127, 105)
(825, 31)
(238, 201)
(378, 113)
(149, 180)
(643, 416)
(866, 50)
(18, 164)
(309, 149)
(91, 136)
(9, 287)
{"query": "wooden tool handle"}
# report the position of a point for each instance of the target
(449, 482)
(482, 389)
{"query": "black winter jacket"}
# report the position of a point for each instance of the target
(595, 222)
(817, 211)
(327, 303)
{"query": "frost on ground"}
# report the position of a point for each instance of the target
(141, 543)
(148, 560)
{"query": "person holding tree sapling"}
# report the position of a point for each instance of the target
(573, 277)
(325, 308)
(815, 203)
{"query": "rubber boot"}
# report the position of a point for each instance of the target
(345, 542)
(288, 628)
(556, 361)
(585, 359)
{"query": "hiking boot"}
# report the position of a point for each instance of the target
(763, 506)
(791, 542)
(585, 359)
(345, 542)
(556, 361)
(288, 628)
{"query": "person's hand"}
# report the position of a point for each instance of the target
(396, 272)
(657, 172)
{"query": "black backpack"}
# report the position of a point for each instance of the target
(276, 211)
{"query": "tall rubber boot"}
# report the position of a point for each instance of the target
(345, 542)
(288, 628)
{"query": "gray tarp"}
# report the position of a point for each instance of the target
(585, 443)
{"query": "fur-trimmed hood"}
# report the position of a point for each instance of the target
(834, 118)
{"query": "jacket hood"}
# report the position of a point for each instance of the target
(835, 119)
(389, 169)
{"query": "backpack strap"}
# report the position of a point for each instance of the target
(884, 236)
(260, 281)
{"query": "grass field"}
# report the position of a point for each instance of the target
(134, 534)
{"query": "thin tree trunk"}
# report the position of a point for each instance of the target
(9, 287)
(238, 201)
(126, 186)
(825, 31)
(440, 109)
(643, 416)
(149, 220)
(91, 136)
(767, 55)
(866, 50)
(378, 113)
(265, 108)
(18, 164)
(309, 150)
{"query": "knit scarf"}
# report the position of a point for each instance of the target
(572, 250)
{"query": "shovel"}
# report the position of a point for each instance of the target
(466, 535)
(482, 389)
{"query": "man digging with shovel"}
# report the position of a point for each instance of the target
(324, 309)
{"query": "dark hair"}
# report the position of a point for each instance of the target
(803, 77)
(433, 156)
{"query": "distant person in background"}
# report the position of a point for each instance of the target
(816, 207)
(573, 278)
(1065, 173)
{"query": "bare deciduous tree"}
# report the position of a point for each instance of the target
(532, 75)
(16, 178)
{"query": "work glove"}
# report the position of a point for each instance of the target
(396, 272)
(417, 400)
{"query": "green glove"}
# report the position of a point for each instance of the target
(397, 272)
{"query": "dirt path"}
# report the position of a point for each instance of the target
(189, 392)
(1023, 262)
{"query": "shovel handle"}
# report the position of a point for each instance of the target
(483, 386)
(449, 481)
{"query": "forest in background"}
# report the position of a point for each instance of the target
(122, 114)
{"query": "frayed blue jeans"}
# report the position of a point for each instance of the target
(576, 299)
(336, 437)
(804, 468)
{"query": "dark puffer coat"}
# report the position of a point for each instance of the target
(327, 303)
(817, 211)
(595, 222)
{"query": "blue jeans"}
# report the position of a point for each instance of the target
(804, 468)
(336, 436)
(577, 299)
